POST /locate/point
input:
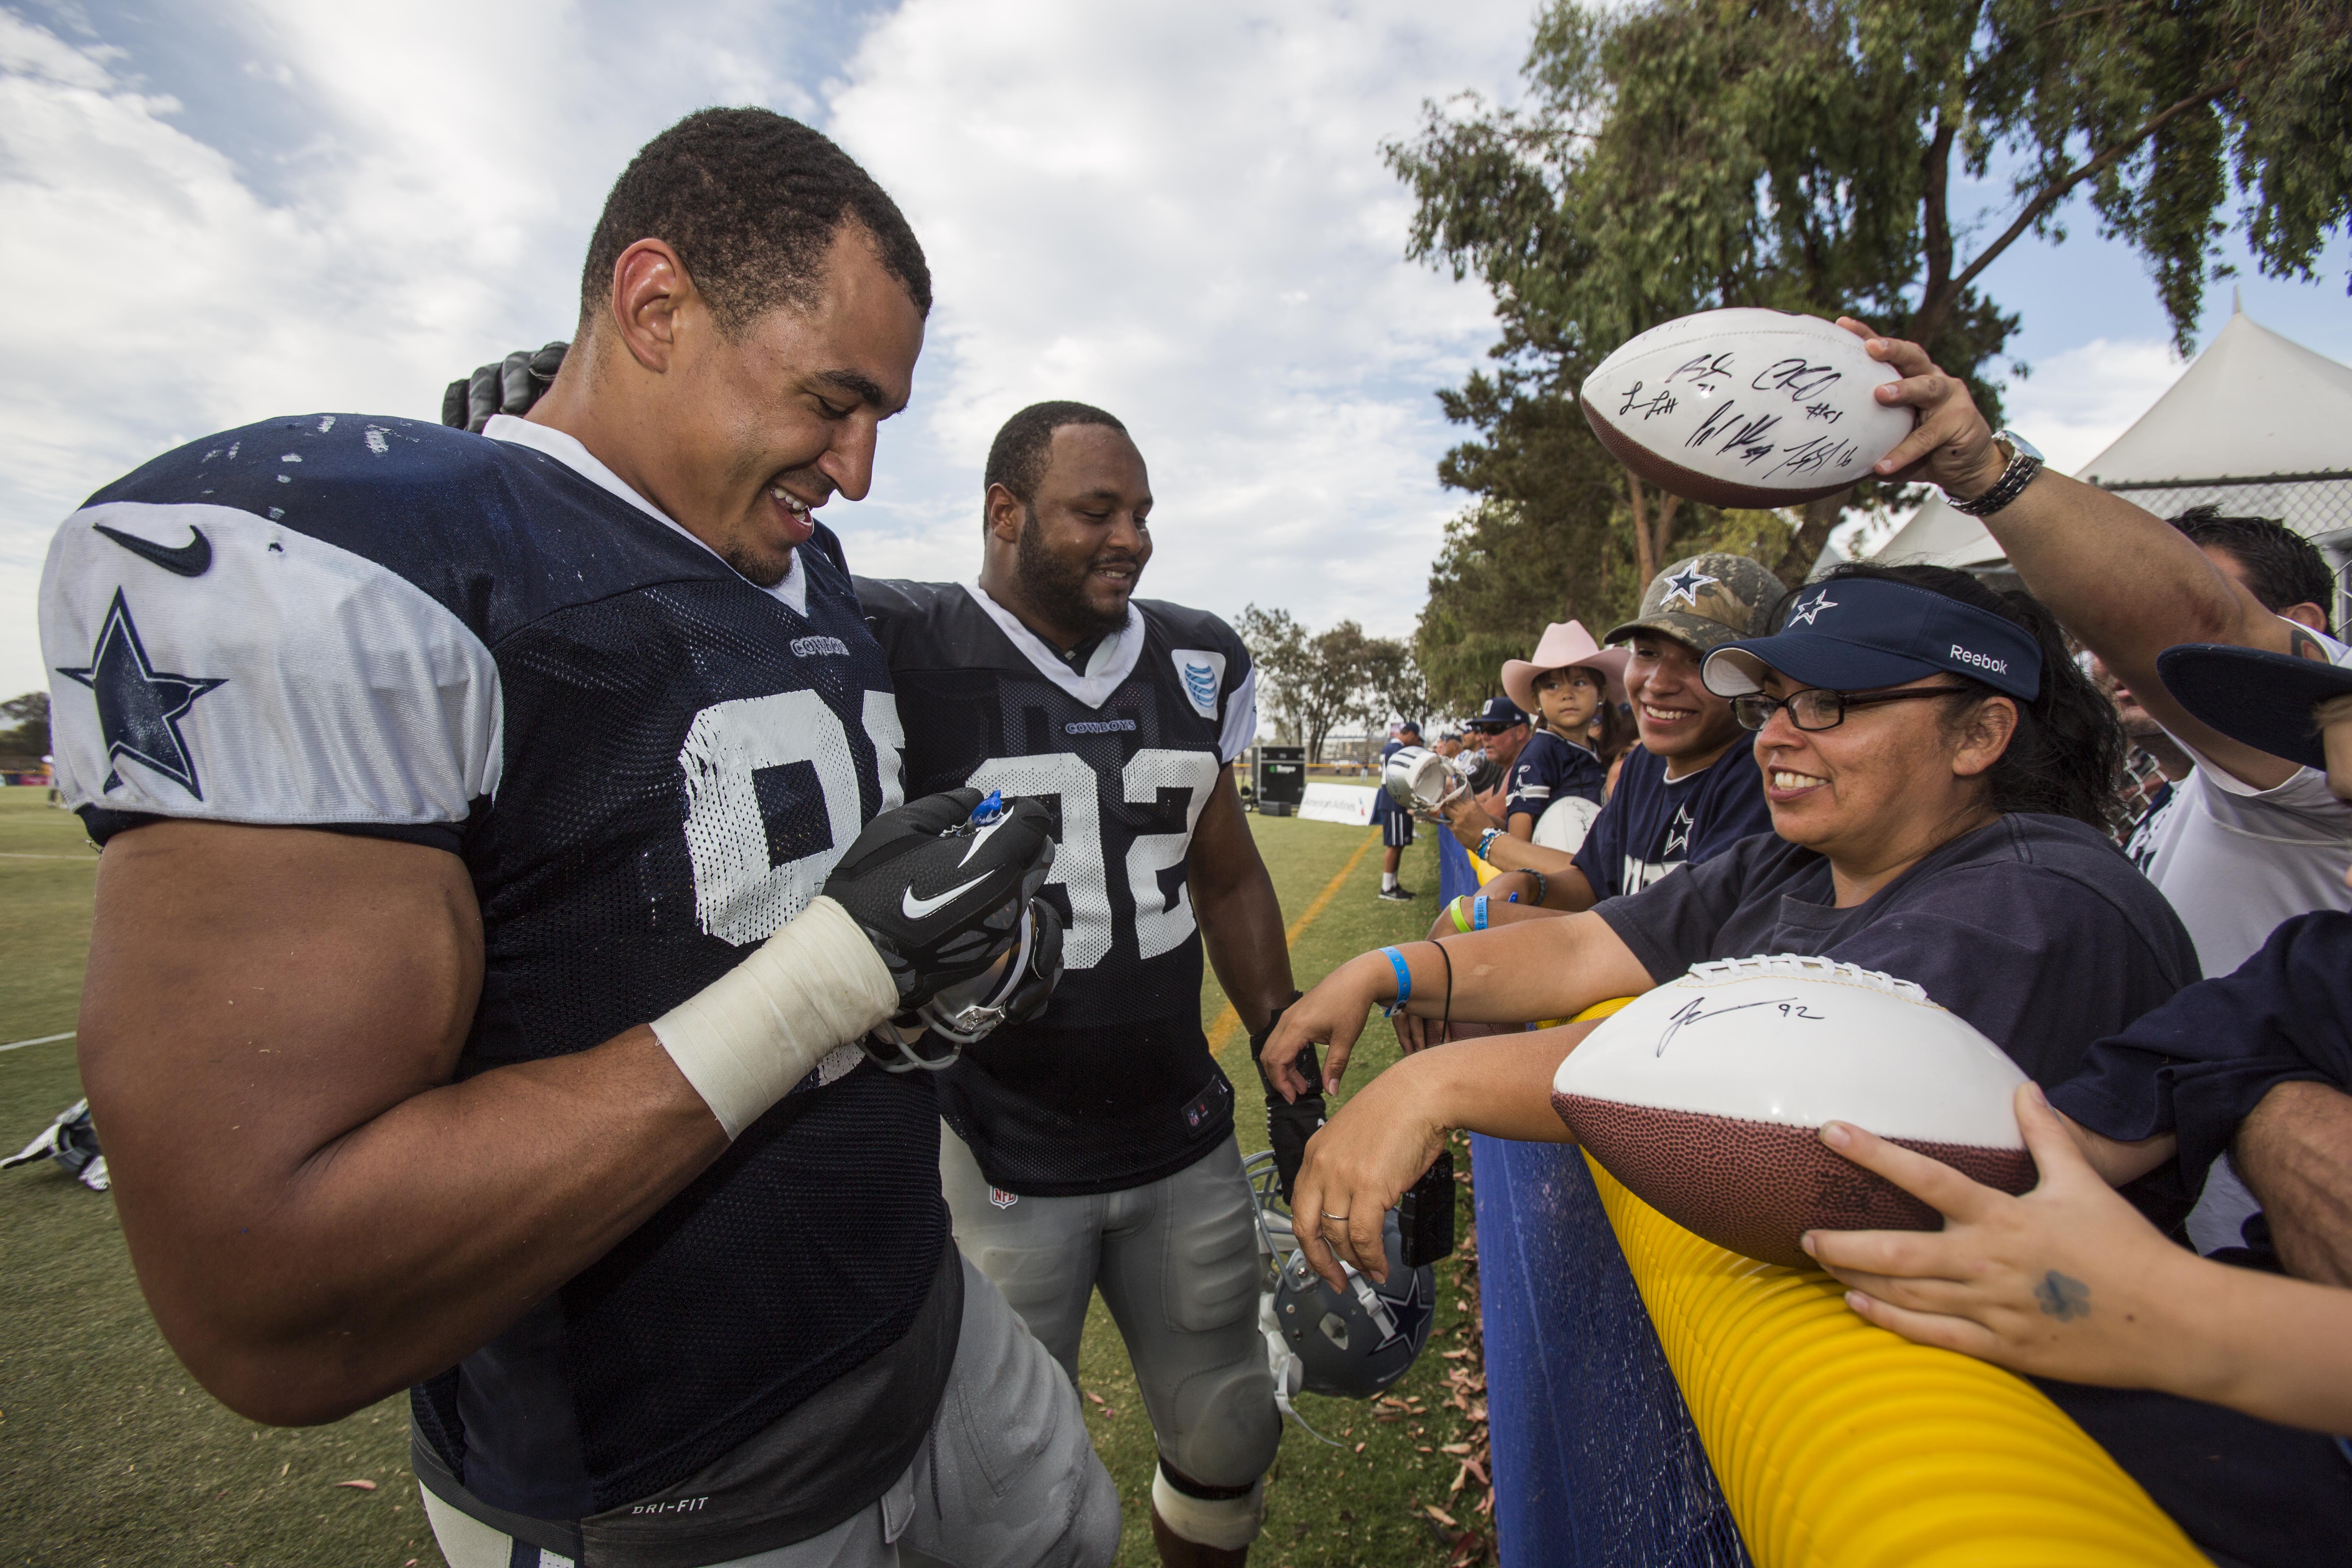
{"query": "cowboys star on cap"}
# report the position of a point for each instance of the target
(139, 706)
(1814, 606)
(1685, 585)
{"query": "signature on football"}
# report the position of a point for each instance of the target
(1689, 1012)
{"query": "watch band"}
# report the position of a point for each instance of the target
(2024, 463)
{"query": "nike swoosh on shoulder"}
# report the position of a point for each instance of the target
(916, 909)
(193, 559)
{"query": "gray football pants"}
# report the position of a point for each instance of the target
(1008, 1479)
(1177, 1263)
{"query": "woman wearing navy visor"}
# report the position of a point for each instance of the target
(1936, 767)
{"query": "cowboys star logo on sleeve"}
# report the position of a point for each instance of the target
(139, 706)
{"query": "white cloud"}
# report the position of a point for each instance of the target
(2078, 400)
(1180, 215)
(1179, 212)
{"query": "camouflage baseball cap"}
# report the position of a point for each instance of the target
(1708, 601)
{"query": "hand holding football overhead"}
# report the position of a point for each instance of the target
(1952, 446)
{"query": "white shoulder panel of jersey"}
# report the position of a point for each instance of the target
(280, 681)
(1240, 726)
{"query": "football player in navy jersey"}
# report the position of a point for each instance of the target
(504, 858)
(1093, 1146)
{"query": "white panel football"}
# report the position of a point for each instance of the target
(1745, 407)
(1705, 1095)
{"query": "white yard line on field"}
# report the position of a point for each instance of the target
(43, 1040)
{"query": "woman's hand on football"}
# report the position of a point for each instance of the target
(1356, 1168)
(2067, 1282)
(1331, 1016)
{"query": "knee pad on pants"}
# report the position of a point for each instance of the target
(1227, 1429)
(1226, 1523)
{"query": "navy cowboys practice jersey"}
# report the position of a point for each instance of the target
(648, 764)
(1113, 1085)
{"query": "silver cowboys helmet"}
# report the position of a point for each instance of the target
(1419, 780)
(1319, 1341)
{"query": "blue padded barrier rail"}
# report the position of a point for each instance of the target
(1596, 1462)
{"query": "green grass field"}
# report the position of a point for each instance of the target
(109, 1455)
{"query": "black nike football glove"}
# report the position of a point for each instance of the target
(939, 897)
(1289, 1123)
(510, 386)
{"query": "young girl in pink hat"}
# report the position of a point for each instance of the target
(1569, 683)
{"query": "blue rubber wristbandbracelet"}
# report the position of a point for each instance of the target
(1478, 913)
(1404, 980)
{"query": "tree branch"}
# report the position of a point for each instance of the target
(2057, 192)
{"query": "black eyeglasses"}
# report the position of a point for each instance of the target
(1818, 707)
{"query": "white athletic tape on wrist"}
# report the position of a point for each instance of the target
(1226, 1523)
(743, 1040)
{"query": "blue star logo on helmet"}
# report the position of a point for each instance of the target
(1685, 585)
(140, 707)
(1200, 673)
(1804, 614)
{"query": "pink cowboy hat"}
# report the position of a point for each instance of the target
(1565, 643)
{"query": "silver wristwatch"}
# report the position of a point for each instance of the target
(2024, 462)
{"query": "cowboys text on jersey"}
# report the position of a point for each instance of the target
(1113, 1086)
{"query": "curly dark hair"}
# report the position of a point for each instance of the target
(1016, 458)
(2281, 566)
(2067, 755)
(751, 202)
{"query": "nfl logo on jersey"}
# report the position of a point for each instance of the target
(1002, 1198)
(1200, 674)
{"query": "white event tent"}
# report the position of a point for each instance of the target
(2257, 424)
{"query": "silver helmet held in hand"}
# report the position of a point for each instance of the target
(1419, 780)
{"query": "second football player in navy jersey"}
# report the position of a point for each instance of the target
(1093, 1146)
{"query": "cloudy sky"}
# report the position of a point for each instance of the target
(213, 213)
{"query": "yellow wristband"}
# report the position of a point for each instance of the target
(1461, 921)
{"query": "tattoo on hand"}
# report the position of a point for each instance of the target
(2063, 1297)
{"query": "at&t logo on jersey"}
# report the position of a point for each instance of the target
(1201, 673)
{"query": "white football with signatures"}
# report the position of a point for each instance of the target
(1704, 1096)
(1745, 407)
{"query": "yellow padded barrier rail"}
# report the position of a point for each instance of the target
(1839, 1444)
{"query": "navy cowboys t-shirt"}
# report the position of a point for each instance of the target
(1113, 1085)
(1653, 824)
(2034, 929)
(1552, 769)
(649, 765)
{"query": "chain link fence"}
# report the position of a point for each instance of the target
(2317, 505)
